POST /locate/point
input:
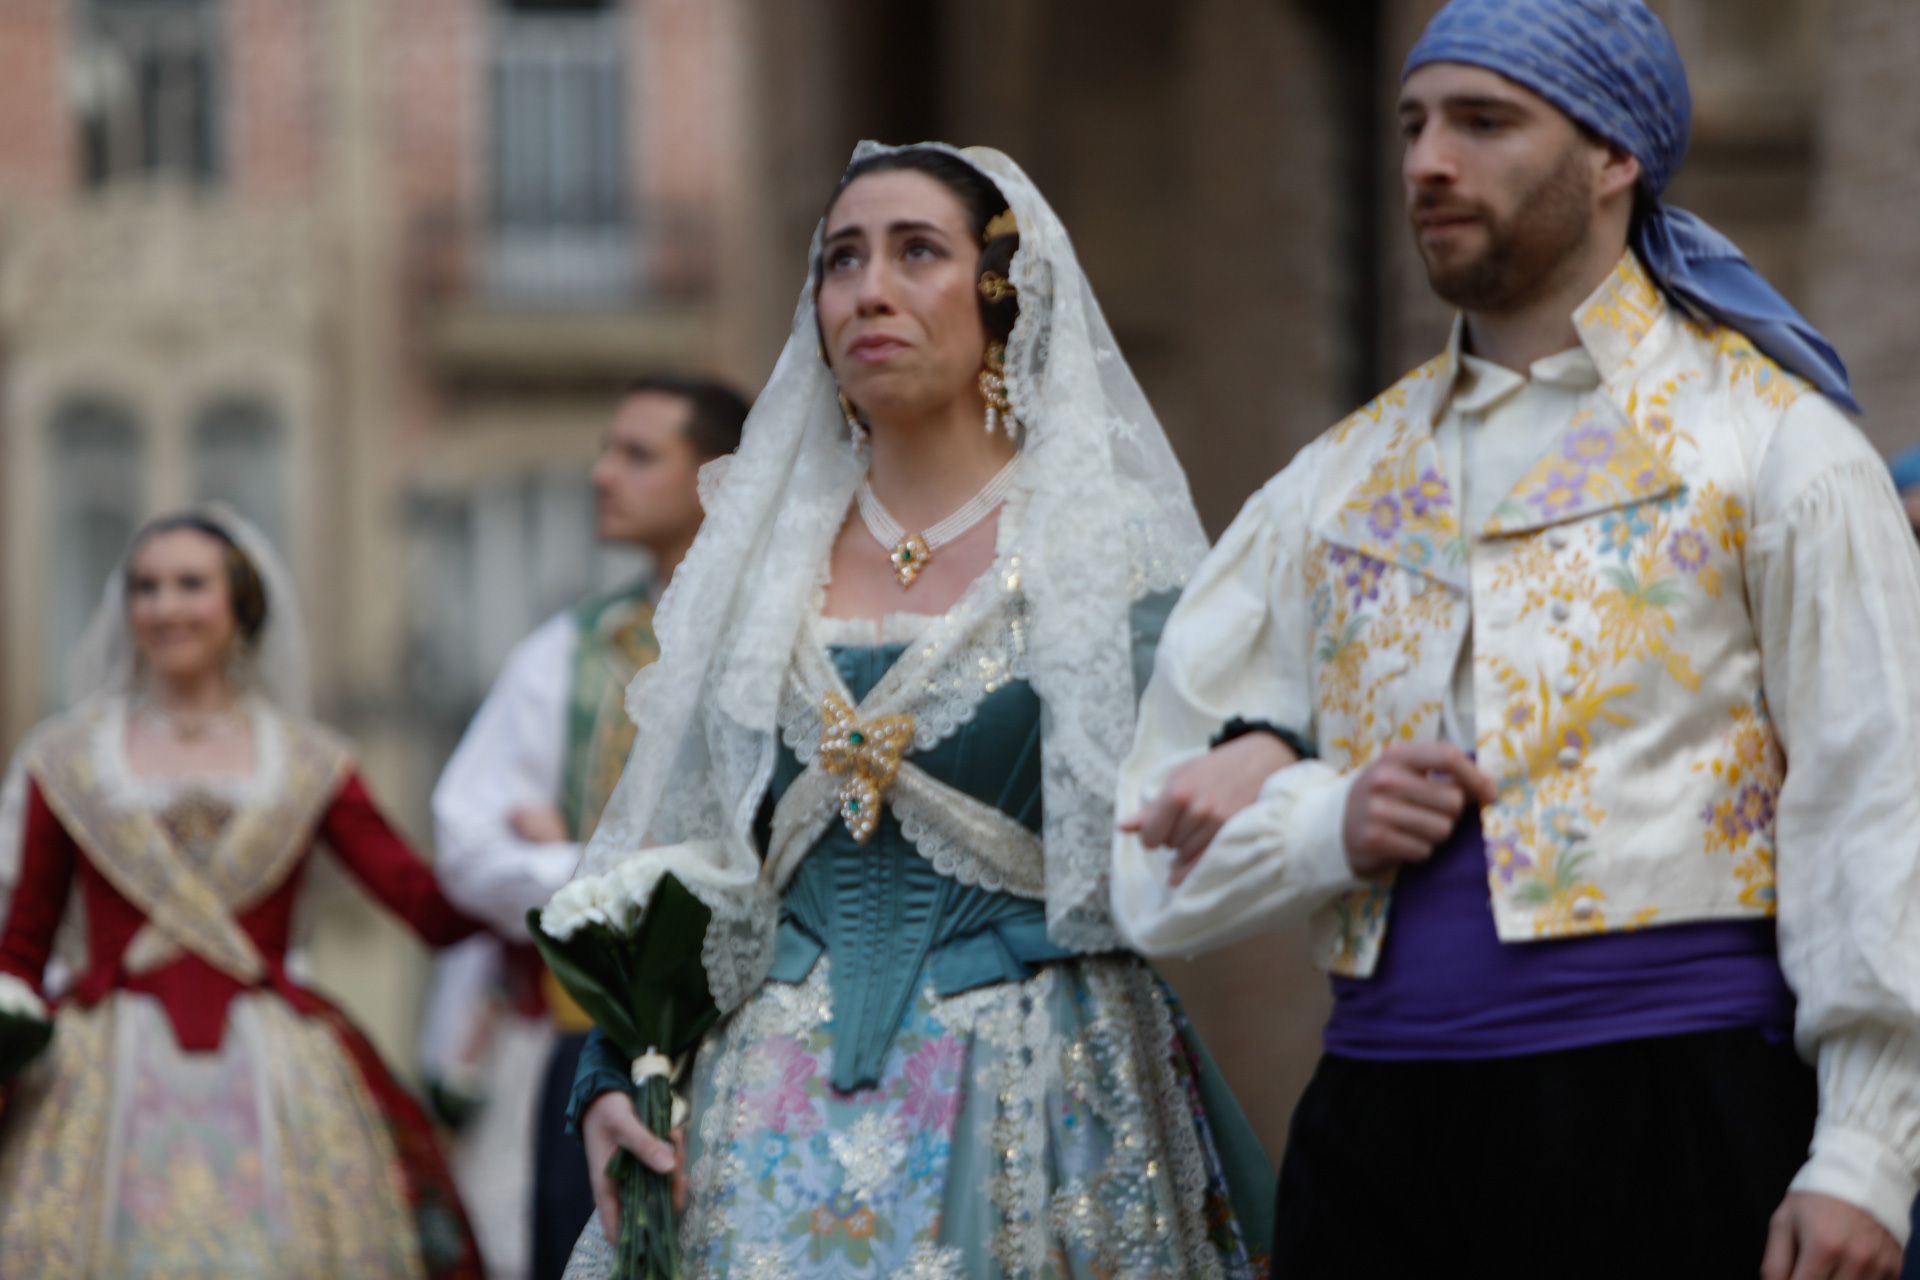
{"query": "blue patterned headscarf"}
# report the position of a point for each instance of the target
(1611, 66)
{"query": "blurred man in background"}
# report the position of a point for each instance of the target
(526, 787)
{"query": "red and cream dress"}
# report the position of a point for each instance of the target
(198, 1112)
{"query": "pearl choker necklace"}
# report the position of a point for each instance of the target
(911, 553)
(194, 728)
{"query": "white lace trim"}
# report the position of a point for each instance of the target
(960, 657)
(961, 837)
(129, 791)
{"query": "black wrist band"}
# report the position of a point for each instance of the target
(1240, 728)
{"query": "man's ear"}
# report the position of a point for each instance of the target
(1619, 171)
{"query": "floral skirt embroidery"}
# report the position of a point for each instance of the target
(124, 1155)
(1043, 1129)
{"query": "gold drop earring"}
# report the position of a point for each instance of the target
(856, 429)
(993, 387)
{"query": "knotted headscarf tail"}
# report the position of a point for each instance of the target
(1612, 66)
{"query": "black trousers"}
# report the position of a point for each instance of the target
(562, 1190)
(1650, 1158)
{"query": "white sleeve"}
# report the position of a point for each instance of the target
(1834, 578)
(512, 757)
(1236, 645)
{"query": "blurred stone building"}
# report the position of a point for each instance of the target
(373, 270)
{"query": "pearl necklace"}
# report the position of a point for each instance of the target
(192, 729)
(911, 553)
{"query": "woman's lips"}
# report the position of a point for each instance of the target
(875, 348)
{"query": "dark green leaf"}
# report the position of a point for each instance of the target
(21, 1040)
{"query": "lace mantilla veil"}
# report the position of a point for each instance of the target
(1107, 520)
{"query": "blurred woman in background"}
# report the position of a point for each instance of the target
(198, 1112)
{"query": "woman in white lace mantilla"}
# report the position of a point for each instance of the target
(198, 1111)
(898, 674)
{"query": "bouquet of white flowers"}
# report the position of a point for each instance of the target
(626, 946)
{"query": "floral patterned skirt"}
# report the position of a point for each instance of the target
(276, 1155)
(1048, 1128)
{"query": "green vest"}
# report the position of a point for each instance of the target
(616, 640)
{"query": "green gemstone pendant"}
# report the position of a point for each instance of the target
(910, 556)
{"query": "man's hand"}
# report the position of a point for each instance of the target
(610, 1125)
(1203, 795)
(1406, 803)
(540, 826)
(1816, 1237)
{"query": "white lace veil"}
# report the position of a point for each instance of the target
(1108, 520)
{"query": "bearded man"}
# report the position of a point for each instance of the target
(1593, 634)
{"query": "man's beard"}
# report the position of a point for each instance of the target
(1550, 222)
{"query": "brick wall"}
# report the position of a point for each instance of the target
(37, 144)
(435, 53)
(276, 63)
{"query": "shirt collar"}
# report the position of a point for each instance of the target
(1611, 322)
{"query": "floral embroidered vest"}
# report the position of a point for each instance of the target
(1616, 669)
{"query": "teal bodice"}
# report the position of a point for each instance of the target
(881, 910)
(890, 921)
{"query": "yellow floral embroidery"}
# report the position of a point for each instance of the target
(1402, 512)
(1629, 302)
(1750, 768)
(1375, 411)
(1359, 917)
(1745, 365)
(1597, 465)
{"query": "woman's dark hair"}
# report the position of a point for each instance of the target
(983, 203)
(244, 585)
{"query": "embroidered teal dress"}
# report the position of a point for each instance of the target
(927, 1087)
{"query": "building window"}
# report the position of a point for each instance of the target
(238, 459)
(560, 225)
(97, 466)
(146, 81)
